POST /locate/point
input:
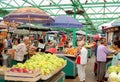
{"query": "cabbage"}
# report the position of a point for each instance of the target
(118, 77)
(113, 77)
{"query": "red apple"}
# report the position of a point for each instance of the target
(12, 69)
(25, 70)
(19, 70)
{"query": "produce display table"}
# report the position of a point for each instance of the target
(90, 49)
(90, 52)
(2, 78)
(108, 64)
(14, 76)
(70, 69)
(59, 77)
(109, 60)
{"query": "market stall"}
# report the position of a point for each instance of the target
(90, 49)
(112, 33)
(40, 67)
(113, 73)
(2, 73)
(3, 33)
(69, 55)
(71, 68)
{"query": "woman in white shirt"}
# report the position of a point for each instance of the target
(83, 61)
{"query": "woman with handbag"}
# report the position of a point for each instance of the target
(81, 61)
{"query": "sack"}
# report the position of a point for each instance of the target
(78, 60)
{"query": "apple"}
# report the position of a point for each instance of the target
(25, 70)
(12, 69)
(19, 70)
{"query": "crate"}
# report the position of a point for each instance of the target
(14, 76)
(2, 70)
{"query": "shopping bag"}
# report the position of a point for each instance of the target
(78, 59)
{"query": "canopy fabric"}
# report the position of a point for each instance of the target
(29, 14)
(66, 22)
(116, 23)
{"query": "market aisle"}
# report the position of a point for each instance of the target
(89, 72)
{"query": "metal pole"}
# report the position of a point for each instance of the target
(74, 30)
(86, 31)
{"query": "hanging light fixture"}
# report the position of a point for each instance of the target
(104, 0)
(86, 1)
(79, 11)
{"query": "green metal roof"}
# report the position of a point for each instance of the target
(91, 13)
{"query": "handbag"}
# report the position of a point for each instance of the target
(78, 59)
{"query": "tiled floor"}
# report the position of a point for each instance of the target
(89, 72)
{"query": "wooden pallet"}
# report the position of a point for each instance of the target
(30, 77)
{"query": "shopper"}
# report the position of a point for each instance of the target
(15, 43)
(116, 58)
(82, 61)
(9, 42)
(102, 52)
(21, 49)
(6, 59)
(41, 45)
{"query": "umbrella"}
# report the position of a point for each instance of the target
(29, 14)
(80, 32)
(67, 22)
(116, 22)
(53, 32)
(96, 37)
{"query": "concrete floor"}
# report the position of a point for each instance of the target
(89, 72)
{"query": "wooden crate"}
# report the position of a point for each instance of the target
(30, 77)
(2, 70)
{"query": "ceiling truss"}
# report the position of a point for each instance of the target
(95, 12)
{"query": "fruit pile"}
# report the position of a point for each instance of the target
(88, 45)
(20, 70)
(44, 63)
(114, 69)
(70, 51)
(114, 73)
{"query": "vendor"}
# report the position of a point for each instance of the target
(116, 58)
(118, 38)
(48, 43)
(6, 59)
(21, 50)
